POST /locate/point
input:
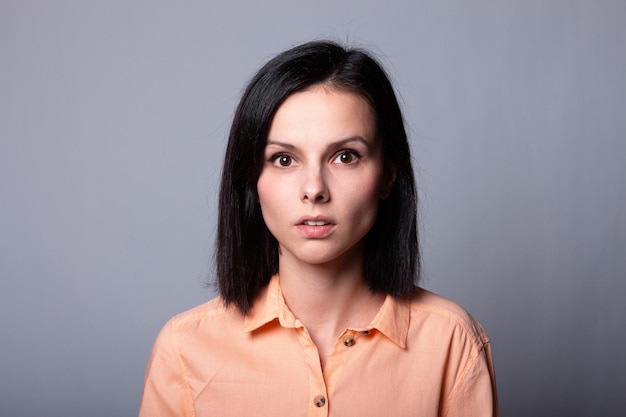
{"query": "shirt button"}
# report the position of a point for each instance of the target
(348, 340)
(319, 401)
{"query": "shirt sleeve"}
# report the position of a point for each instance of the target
(474, 394)
(166, 392)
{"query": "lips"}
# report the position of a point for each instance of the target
(315, 220)
(315, 228)
(315, 223)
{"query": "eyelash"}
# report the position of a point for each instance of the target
(274, 159)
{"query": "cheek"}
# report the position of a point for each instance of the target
(372, 187)
(271, 198)
(264, 190)
(261, 188)
(362, 199)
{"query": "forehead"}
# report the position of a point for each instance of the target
(323, 112)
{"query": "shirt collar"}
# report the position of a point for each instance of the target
(392, 319)
(269, 306)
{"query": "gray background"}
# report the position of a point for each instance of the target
(113, 118)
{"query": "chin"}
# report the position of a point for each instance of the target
(326, 259)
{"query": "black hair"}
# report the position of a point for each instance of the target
(246, 252)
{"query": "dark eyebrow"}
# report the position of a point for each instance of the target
(333, 145)
(281, 144)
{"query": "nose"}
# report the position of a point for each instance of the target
(314, 186)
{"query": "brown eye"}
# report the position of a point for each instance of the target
(283, 161)
(346, 158)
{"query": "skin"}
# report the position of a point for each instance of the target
(319, 191)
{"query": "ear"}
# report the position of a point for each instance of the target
(389, 181)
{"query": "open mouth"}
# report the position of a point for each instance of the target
(316, 228)
(315, 223)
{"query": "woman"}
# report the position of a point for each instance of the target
(317, 264)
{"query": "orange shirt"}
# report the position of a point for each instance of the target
(423, 357)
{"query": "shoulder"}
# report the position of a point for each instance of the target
(430, 309)
(210, 317)
(212, 308)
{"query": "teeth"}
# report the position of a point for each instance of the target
(315, 223)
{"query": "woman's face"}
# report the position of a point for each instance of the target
(322, 177)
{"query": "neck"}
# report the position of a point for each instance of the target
(331, 297)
